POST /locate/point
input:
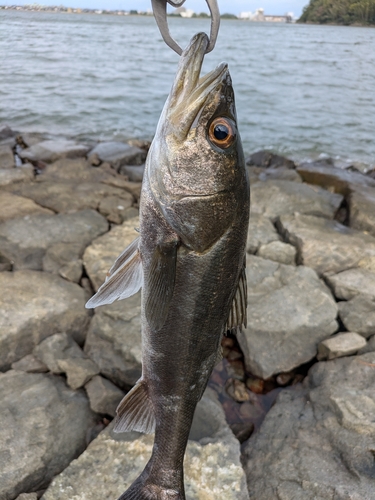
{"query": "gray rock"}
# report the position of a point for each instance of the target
(12, 206)
(27, 496)
(335, 179)
(79, 371)
(362, 209)
(52, 150)
(327, 246)
(318, 433)
(102, 253)
(33, 306)
(352, 282)
(275, 198)
(111, 463)
(266, 159)
(44, 426)
(133, 172)
(64, 259)
(342, 344)
(209, 418)
(119, 154)
(290, 310)
(115, 208)
(74, 170)
(6, 132)
(104, 396)
(30, 364)
(12, 176)
(24, 241)
(358, 315)
(260, 232)
(279, 252)
(114, 341)
(6, 157)
(257, 174)
(369, 347)
(56, 348)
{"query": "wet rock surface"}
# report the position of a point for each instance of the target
(317, 432)
(52, 150)
(44, 426)
(309, 276)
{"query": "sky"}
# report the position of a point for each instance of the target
(231, 6)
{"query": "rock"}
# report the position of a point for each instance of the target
(362, 209)
(279, 252)
(94, 160)
(79, 371)
(276, 198)
(104, 396)
(314, 433)
(261, 231)
(56, 348)
(111, 463)
(237, 390)
(342, 344)
(44, 426)
(114, 341)
(33, 306)
(30, 364)
(335, 179)
(27, 496)
(29, 139)
(265, 159)
(348, 284)
(290, 310)
(67, 197)
(52, 150)
(133, 188)
(209, 418)
(358, 315)
(5, 264)
(114, 207)
(12, 176)
(119, 154)
(140, 143)
(64, 259)
(24, 241)
(6, 157)
(369, 347)
(12, 206)
(102, 253)
(257, 174)
(133, 172)
(6, 132)
(327, 246)
(74, 170)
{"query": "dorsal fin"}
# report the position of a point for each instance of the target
(125, 281)
(237, 314)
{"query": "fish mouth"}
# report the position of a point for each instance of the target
(190, 91)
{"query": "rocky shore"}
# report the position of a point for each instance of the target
(289, 411)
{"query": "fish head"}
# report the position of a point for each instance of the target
(197, 149)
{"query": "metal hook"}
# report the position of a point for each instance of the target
(160, 12)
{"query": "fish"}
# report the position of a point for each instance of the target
(189, 260)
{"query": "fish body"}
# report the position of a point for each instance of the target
(191, 249)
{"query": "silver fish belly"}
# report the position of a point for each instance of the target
(189, 260)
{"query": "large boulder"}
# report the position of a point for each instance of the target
(362, 209)
(327, 246)
(358, 315)
(261, 231)
(119, 154)
(43, 428)
(33, 306)
(6, 157)
(52, 150)
(110, 464)
(352, 282)
(317, 441)
(277, 197)
(12, 176)
(13, 206)
(25, 240)
(290, 310)
(102, 253)
(114, 341)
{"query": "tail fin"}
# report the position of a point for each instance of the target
(141, 491)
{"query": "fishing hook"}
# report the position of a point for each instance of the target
(160, 12)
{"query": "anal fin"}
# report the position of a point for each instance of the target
(162, 277)
(135, 412)
(238, 312)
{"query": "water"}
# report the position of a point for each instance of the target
(301, 90)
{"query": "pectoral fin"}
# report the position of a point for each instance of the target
(161, 284)
(123, 257)
(237, 315)
(125, 281)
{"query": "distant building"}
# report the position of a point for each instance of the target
(260, 17)
(183, 12)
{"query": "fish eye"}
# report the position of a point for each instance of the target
(222, 132)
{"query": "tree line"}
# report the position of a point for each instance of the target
(339, 12)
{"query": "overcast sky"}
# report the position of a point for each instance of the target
(233, 6)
